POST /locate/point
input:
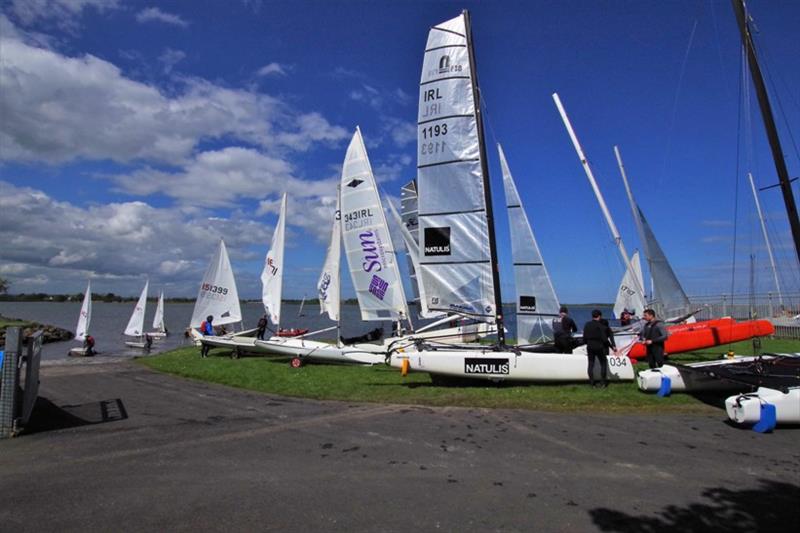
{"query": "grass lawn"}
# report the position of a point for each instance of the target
(385, 385)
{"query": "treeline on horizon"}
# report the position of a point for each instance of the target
(110, 297)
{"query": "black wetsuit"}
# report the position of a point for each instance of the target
(656, 332)
(562, 333)
(599, 338)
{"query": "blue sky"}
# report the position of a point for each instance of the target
(134, 134)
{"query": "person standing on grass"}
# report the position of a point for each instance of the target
(599, 339)
(563, 328)
(654, 335)
(207, 329)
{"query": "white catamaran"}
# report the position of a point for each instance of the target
(458, 252)
(84, 321)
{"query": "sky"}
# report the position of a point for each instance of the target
(134, 135)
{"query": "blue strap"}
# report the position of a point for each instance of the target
(768, 420)
(1, 359)
(666, 386)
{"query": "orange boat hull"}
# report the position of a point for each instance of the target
(690, 337)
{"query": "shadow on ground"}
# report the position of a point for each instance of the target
(48, 416)
(773, 506)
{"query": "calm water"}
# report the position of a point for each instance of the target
(110, 319)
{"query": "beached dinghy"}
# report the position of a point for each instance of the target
(82, 329)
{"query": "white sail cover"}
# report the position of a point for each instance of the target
(158, 319)
(85, 318)
(537, 303)
(328, 284)
(628, 296)
(367, 242)
(218, 296)
(135, 326)
(272, 274)
(455, 265)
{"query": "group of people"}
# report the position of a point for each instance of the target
(599, 339)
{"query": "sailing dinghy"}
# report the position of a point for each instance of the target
(160, 329)
(458, 256)
(135, 327)
(84, 321)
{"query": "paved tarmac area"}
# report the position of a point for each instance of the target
(119, 447)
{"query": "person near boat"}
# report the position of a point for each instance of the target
(654, 335)
(563, 328)
(88, 344)
(262, 327)
(626, 318)
(207, 329)
(599, 340)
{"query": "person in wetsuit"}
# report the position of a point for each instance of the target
(563, 328)
(599, 339)
(654, 335)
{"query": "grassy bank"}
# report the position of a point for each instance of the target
(6, 322)
(385, 385)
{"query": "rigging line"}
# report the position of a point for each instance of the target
(675, 105)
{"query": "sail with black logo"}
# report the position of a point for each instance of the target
(457, 254)
(328, 283)
(272, 273)
(218, 296)
(537, 303)
(367, 241)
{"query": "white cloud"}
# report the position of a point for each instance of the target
(64, 13)
(273, 69)
(66, 243)
(170, 57)
(314, 215)
(154, 14)
(45, 98)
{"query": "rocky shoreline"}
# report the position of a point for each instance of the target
(51, 333)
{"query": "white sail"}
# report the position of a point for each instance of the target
(537, 303)
(158, 319)
(367, 242)
(272, 274)
(328, 284)
(218, 296)
(628, 296)
(456, 262)
(135, 326)
(85, 318)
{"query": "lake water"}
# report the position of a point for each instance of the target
(110, 319)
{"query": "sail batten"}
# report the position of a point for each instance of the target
(367, 242)
(218, 296)
(536, 302)
(456, 259)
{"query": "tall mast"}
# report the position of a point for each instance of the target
(766, 238)
(769, 123)
(600, 200)
(498, 300)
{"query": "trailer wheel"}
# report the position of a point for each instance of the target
(235, 353)
(296, 362)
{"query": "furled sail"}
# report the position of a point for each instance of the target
(272, 274)
(628, 297)
(158, 319)
(537, 303)
(85, 318)
(367, 242)
(135, 326)
(456, 261)
(218, 296)
(408, 220)
(328, 284)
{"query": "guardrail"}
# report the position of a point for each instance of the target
(781, 311)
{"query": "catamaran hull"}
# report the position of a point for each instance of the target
(369, 354)
(682, 380)
(508, 366)
(747, 409)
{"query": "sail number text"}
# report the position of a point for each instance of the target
(434, 131)
(215, 289)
